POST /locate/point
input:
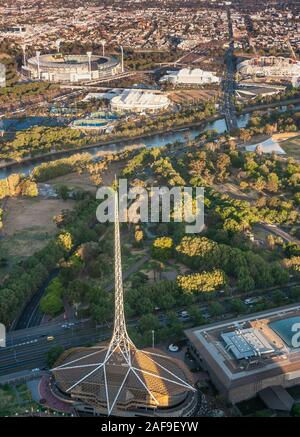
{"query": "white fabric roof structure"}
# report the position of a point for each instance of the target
(191, 76)
(268, 146)
(137, 101)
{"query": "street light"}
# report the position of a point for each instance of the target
(152, 338)
(89, 55)
(103, 42)
(24, 54)
(38, 54)
(122, 58)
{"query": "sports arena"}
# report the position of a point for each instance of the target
(71, 68)
(268, 66)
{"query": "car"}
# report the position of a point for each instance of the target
(184, 315)
(37, 369)
(173, 348)
(50, 338)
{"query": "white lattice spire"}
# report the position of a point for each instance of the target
(120, 336)
(121, 352)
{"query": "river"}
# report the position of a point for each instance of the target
(156, 140)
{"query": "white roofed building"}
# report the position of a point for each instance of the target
(189, 76)
(139, 101)
(268, 146)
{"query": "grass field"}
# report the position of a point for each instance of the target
(74, 181)
(28, 226)
(189, 96)
(292, 146)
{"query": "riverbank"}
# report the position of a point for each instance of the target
(254, 108)
(111, 141)
(209, 124)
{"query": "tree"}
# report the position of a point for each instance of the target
(63, 191)
(272, 183)
(65, 240)
(53, 354)
(52, 302)
(238, 306)
(271, 241)
(196, 315)
(245, 135)
(174, 326)
(147, 323)
(260, 184)
(29, 188)
(223, 163)
(296, 410)
(204, 282)
(162, 248)
(216, 309)
(139, 236)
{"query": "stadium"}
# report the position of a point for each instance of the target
(71, 68)
(258, 355)
(270, 66)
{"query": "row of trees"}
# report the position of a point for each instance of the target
(20, 94)
(60, 167)
(246, 269)
(27, 277)
(39, 140)
(204, 282)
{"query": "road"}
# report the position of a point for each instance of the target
(27, 348)
(274, 229)
(32, 315)
(229, 84)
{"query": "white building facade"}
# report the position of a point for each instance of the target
(139, 101)
(188, 76)
(267, 66)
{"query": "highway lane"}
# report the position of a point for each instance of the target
(31, 313)
(34, 354)
(27, 349)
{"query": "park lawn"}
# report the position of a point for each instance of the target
(28, 226)
(15, 400)
(292, 147)
(74, 181)
(190, 96)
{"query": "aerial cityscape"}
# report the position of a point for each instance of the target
(150, 210)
